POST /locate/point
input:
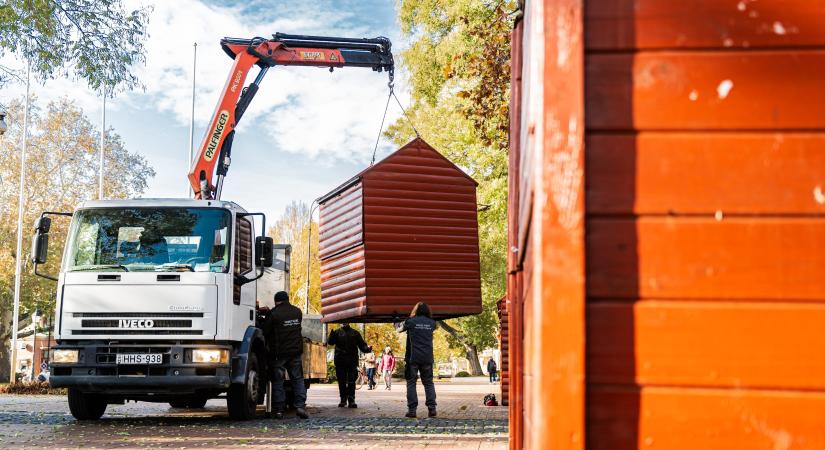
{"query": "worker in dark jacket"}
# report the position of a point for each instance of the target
(419, 358)
(347, 342)
(282, 330)
(492, 369)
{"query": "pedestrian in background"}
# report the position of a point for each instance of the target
(419, 358)
(386, 366)
(492, 369)
(347, 342)
(369, 365)
(285, 344)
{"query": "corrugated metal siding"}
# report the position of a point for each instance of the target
(405, 231)
(340, 225)
(343, 275)
(421, 235)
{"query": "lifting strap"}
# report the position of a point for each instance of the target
(384, 117)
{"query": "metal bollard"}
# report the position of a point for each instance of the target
(268, 397)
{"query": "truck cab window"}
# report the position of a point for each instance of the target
(136, 239)
(243, 253)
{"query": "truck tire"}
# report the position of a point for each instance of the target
(241, 400)
(85, 406)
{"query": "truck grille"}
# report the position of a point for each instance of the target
(134, 315)
(114, 323)
(146, 331)
(137, 323)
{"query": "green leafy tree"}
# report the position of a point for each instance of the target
(98, 41)
(61, 168)
(293, 228)
(459, 67)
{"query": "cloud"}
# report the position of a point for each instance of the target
(301, 110)
(298, 109)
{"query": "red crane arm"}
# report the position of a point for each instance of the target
(213, 157)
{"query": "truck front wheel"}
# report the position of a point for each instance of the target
(241, 400)
(85, 406)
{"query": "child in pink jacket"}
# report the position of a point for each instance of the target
(387, 366)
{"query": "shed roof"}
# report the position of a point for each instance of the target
(417, 143)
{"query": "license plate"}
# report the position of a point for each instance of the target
(139, 358)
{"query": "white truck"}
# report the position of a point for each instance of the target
(157, 301)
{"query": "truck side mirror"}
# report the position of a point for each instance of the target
(263, 248)
(40, 242)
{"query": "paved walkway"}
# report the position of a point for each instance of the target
(44, 421)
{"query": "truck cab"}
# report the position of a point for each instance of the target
(157, 301)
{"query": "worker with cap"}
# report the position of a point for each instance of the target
(285, 344)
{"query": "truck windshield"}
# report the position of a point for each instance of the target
(149, 239)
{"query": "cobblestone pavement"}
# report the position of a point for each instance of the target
(45, 422)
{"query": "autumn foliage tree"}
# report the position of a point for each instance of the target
(61, 167)
(459, 68)
(292, 228)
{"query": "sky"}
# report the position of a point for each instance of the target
(307, 130)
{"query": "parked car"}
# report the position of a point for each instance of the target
(445, 370)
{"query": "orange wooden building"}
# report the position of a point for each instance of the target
(667, 225)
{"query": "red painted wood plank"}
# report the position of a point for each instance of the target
(719, 344)
(739, 258)
(723, 24)
(708, 419)
(702, 173)
(706, 90)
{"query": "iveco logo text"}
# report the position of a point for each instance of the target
(135, 323)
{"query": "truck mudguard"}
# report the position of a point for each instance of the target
(253, 340)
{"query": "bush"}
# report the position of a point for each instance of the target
(400, 365)
(31, 388)
(463, 374)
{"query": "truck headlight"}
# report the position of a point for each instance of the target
(210, 356)
(65, 356)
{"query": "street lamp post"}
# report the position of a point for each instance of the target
(192, 115)
(102, 148)
(18, 256)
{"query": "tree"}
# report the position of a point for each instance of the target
(98, 41)
(458, 62)
(292, 228)
(61, 168)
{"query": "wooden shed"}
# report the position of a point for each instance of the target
(502, 307)
(667, 225)
(402, 231)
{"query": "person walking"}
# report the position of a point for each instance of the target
(386, 366)
(369, 365)
(419, 358)
(492, 370)
(347, 342)
(285, 345)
